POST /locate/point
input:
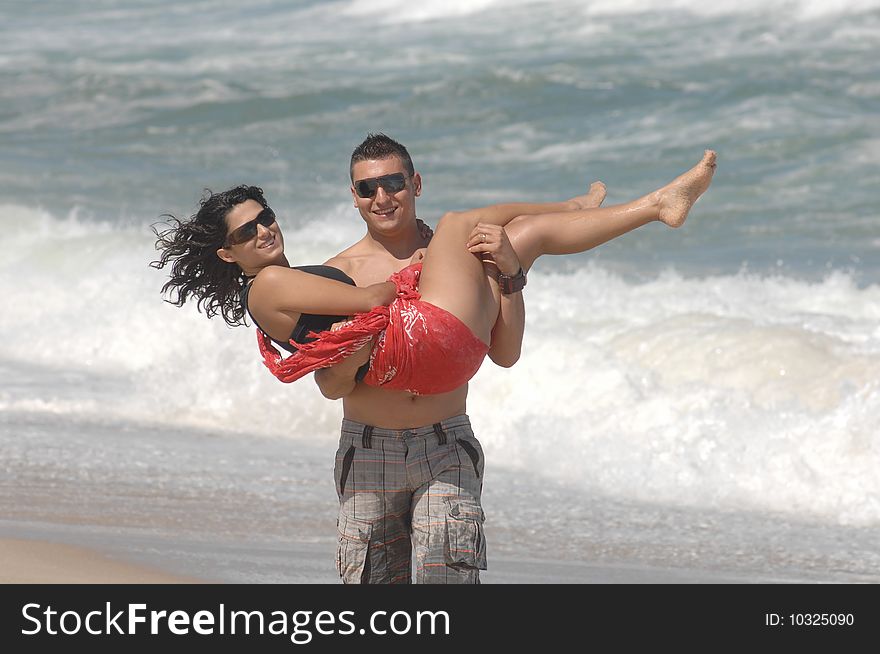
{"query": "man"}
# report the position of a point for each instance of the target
(409, 469)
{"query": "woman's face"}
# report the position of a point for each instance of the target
(265, 248)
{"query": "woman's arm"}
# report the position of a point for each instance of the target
(292, 291)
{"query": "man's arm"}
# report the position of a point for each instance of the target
(507, 334)
(339, 381)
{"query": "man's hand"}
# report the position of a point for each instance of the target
(339, 381)
(492, 240)
(357, 359)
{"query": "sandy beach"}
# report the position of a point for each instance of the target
(38, 562)
(43, 562)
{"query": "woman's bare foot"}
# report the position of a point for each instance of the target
(590, 200)
(677, 197)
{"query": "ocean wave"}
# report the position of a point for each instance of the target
(401, 11)
(744, 391)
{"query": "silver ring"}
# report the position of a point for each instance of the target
(484, 237)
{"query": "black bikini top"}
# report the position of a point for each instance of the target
(308, 322)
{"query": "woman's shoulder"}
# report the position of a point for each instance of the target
(271, 279)
(271, 275)
(328, 271)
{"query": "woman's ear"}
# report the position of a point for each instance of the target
(226, 255)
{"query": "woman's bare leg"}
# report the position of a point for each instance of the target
(501, 214)
(578, 231)
(453, 278)
(456, 280)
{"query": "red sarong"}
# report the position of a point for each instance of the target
(421, 348)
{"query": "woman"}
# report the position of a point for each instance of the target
(439, 311)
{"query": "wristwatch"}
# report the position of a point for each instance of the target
(512, 283)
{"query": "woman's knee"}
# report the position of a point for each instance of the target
(527, 239)
(457, 220)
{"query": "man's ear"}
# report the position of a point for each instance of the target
(353, 196)
(224, 254)
(417, 184)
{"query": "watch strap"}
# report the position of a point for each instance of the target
(512, 283)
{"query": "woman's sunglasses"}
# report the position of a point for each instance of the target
(393, 183)
(248, 231)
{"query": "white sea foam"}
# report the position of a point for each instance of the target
(399, 11)
(394, 11)
(740, 391)
(803, 9)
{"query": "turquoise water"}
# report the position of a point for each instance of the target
(122, 111)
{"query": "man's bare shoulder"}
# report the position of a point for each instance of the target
(365, 266)
(361, 263)
(349, 259)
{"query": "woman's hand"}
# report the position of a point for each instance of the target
(492, 240)
(382, 293)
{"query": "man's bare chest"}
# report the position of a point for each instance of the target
(374, 272)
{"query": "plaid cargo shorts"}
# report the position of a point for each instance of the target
(408, 489)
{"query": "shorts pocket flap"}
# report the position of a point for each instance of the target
(353, 553)
(464, 531)
(355, 529)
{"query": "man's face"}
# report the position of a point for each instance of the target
(387, 213)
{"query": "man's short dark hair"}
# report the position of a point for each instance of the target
(380, 146)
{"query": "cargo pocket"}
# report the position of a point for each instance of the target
(466, 546)
(353, 553)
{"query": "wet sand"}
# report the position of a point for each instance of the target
(40, 562)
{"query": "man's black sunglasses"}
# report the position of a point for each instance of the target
(393, 183)
(248, 231)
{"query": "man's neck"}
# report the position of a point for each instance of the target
(400, 246)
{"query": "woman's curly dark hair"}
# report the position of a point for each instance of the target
(191, 249)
